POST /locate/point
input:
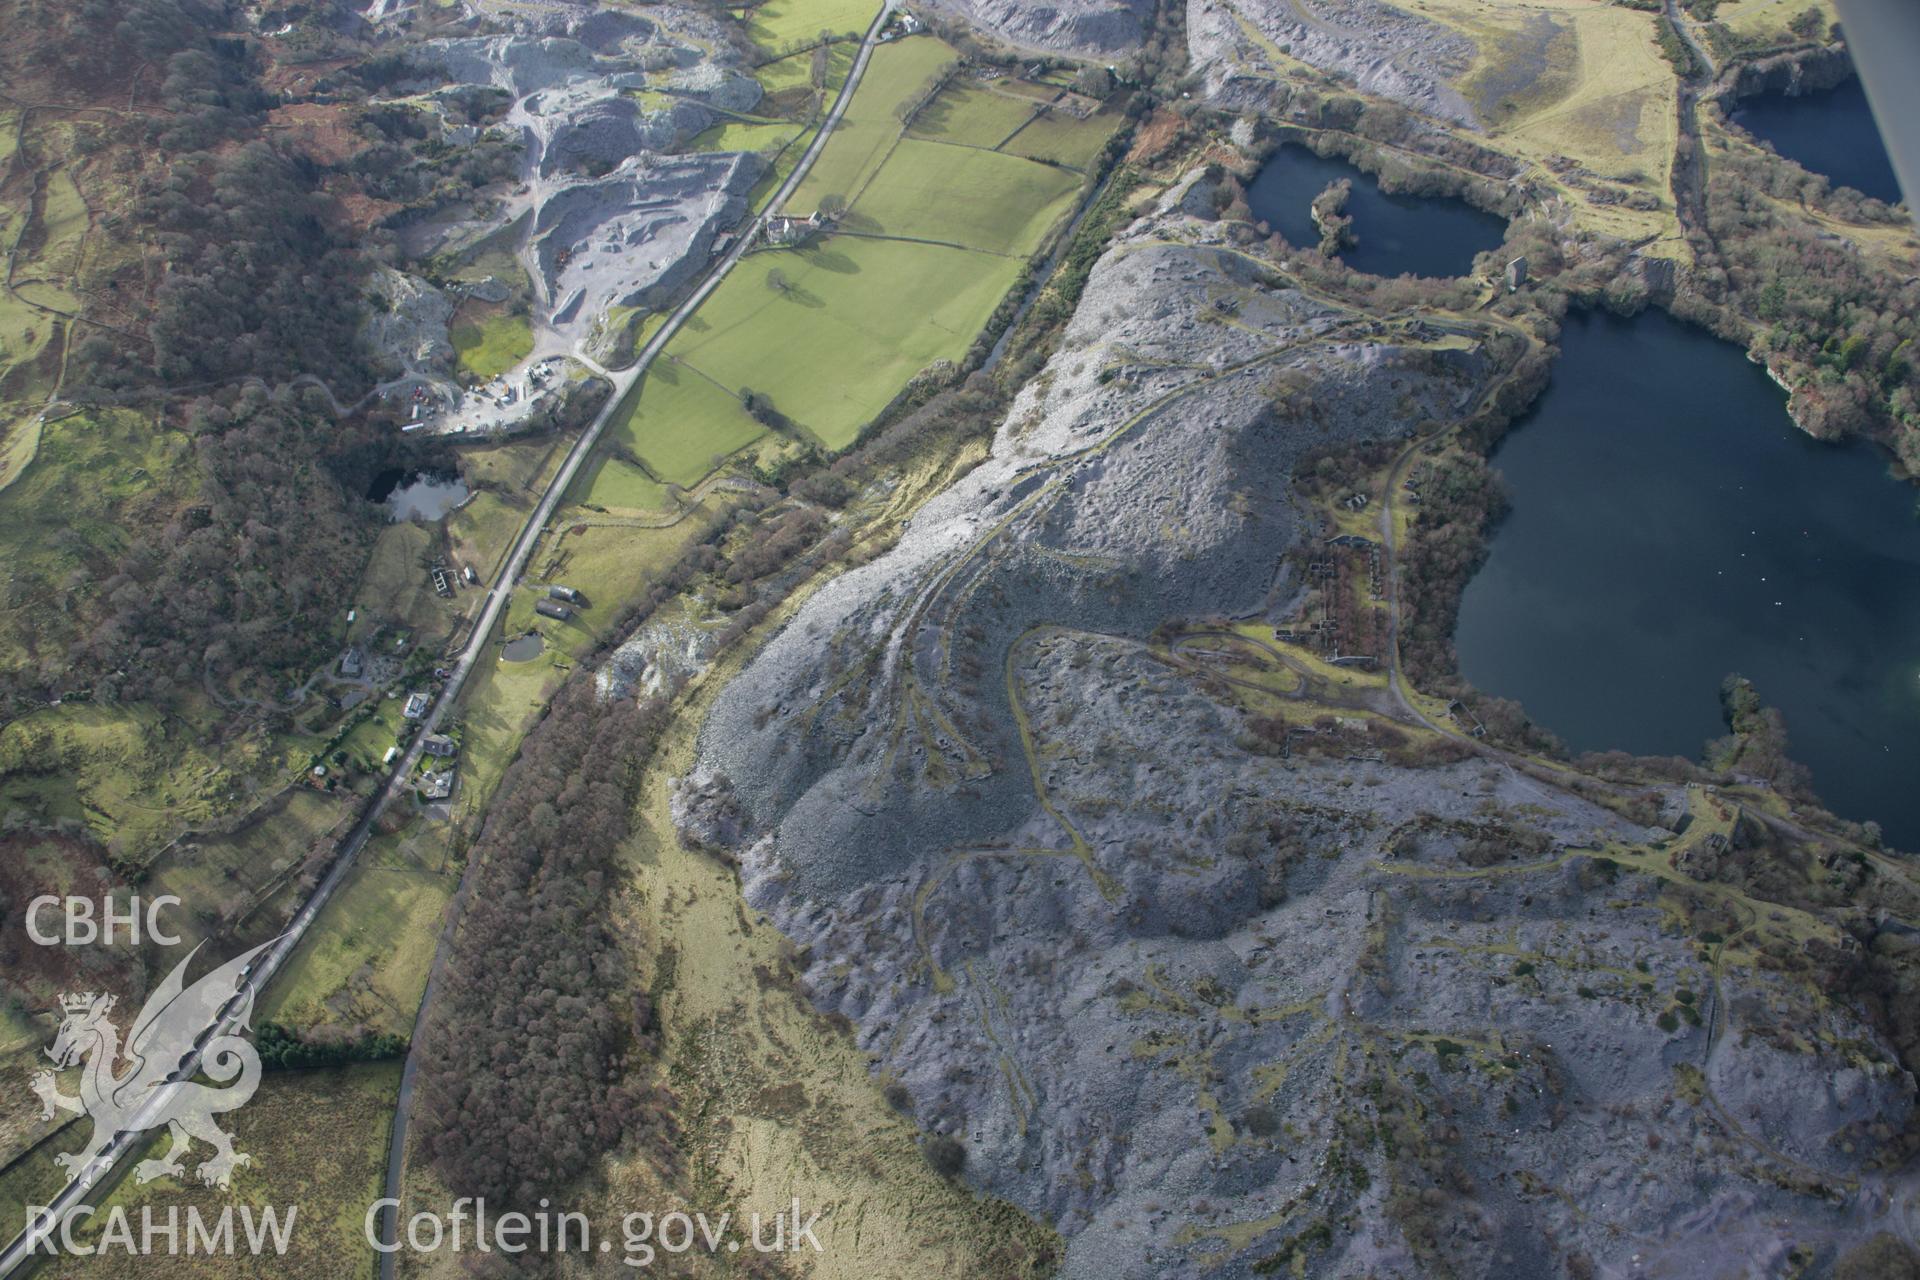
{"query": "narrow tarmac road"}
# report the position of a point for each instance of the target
(403, 1109)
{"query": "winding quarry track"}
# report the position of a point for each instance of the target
(233, 1015)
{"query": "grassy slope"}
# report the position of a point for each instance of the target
(318, 1141)
(396, 587)
(860, 142)
(494, 345)
(622, 488)
(225, 874)
(365, 961)
(835, 347)
(965, 196)
(679, 423)
(777, 23)
(969, 112)
(131, 774)
(63, 520)
(745, 135)
(482, 531)
(611, 562)
(1768, 19)
(1604, 96)
(1059, 137)
(777, 172)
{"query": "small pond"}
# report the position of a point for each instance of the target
(524, 649)
(417, 495)
(1669, 526)
(1831, 133)
(1397, 235)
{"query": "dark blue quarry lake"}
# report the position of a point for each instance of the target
(1670, 525)
(1397, 235)
(1831, 133)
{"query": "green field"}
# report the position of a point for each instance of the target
(965, 196)
(795, 71)
(396, 586)
(517, 465)
(778, 24)
(841, 342)
(220, 877)
(380, 728)
(129, 773)
(612, 564)
(968, 112)
(1039, 91)
(746, 135)
(788, 80)
(777, 172)
(935, 235)
(1061, 138)
(624, 489)
(364, 962)
(860, 142)
(482, 530)
(498, 706)
(494, 345)
(681, 424)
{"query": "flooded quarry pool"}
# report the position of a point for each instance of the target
(1669, 526)
(1397, 235)
(418, 495)
(1831, 133)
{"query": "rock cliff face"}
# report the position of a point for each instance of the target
(1807, 71)
(606, 133)
(1086, 28)
(1204, 1006)
(410, 330)
(1386, 50)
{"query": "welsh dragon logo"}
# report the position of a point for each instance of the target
(150, 1087)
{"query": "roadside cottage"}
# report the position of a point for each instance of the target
(783, 231)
